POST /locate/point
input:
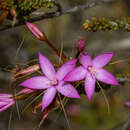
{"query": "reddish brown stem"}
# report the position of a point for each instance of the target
(77, 54)
(60, 54)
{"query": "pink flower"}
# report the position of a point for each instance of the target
(127, 103)
(92, 70)
(52, 81)
(35, 31)
(6, 101)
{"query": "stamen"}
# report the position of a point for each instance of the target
(92, 70)
(54, 82)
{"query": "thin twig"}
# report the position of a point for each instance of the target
(65, 114)
(105, 97)
(10, 119)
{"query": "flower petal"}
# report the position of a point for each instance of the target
(38, 82)
(5, 100)
(65, 69)
(3, 103)
(68, 90)
(47, 67)
(76, 74)
(5, 95)
(89, 85)
(127, 103)
(48, 97)
(106, 77)
(6, 106)
(85, 59)
(101, 60)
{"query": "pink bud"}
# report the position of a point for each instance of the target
(80, 45)
(28, 70)
(13, 12)
(36, 31)
(48, 110)
(26, 90)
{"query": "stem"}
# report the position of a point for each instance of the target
(56, 50)
(65, 114)
(24, 96)
(10, 119)
(104, 97)
(77, 55)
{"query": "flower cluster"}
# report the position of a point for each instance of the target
(90, 70)
(52, 82)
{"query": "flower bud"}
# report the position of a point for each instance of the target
(26, 90)
(28, 70)
(36, 31)
(48, 110)
(80, 45)
(13, 12)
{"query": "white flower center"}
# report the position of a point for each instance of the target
(92, 70)
(54, 82)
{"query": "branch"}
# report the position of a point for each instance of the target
(58, 13)
(85, 6)
(105, 24)
(123, 79)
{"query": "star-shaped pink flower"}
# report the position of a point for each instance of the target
(52, 81)
(92, 70)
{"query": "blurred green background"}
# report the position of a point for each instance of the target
(66, 30)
